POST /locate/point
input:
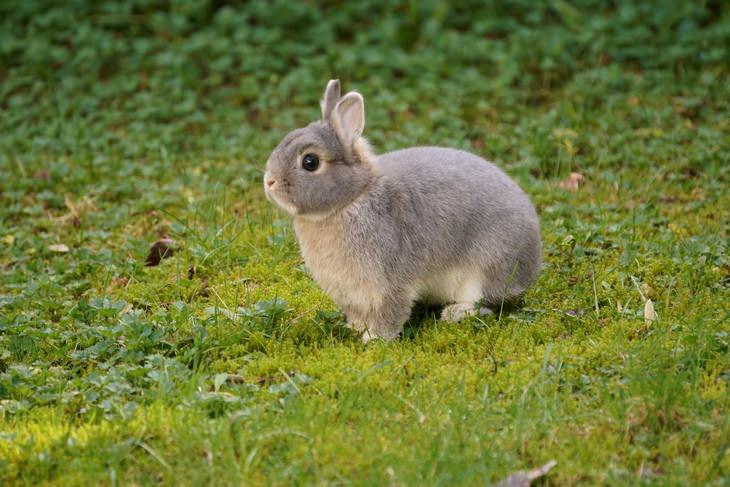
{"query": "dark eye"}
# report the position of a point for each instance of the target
(310, 162)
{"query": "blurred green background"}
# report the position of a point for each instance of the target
(123, 79)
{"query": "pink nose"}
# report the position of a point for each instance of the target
(270, 182)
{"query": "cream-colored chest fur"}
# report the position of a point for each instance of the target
(336, 267)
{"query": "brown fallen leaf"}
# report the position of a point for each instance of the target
(59, 248)
(523, 479)
(572, 182)
(162, 249)
(76, 211)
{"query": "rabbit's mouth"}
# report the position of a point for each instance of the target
(274, 196)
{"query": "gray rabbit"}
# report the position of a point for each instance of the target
(379, 233)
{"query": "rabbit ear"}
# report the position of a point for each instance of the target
(348, 118)
(330, 98)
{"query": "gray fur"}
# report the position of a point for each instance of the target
(348, 119)
(330, 98)
(426, 223)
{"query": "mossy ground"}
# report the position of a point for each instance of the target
(227, 365)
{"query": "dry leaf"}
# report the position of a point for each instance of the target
(60, 248)
(649, 313)
(76, 211)
(162, 249)
(523, 479)
(572, 182)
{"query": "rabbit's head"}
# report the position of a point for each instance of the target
(324, 166)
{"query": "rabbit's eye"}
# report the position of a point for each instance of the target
(310, 162)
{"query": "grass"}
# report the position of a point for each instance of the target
(225, 365)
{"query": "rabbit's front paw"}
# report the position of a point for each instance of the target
(367, 336)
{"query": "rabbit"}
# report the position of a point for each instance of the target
(381, 232)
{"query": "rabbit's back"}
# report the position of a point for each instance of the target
(455, 183)
(440, 170)
(458, 208)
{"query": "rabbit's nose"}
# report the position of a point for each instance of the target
(268, 180)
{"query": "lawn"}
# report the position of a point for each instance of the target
(127, 122)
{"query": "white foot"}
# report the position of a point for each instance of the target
(458, 311)
(369, 335)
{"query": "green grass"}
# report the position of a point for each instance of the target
(226, 365)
